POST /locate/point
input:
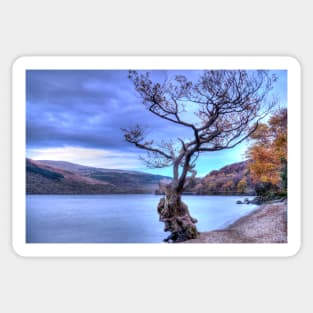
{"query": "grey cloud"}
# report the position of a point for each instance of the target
(86, 108)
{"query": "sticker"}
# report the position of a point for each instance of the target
(156, 156)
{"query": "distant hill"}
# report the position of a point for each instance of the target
(44, 179)
(58, 177)
(230, 179)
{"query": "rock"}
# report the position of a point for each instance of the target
(239, 202)
(246, 201)
(256, 200)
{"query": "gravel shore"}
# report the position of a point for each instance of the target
(267, 224)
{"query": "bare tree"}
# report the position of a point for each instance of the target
(221, 110)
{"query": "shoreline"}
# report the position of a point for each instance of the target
(265, 224)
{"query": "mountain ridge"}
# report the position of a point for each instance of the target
(72, 166)
(61, 177)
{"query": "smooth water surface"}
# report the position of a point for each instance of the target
(118, 218)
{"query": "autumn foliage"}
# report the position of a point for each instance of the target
(269, 152)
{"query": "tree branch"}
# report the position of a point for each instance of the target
(226, 107)
(136, 135)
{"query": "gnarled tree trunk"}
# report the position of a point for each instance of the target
(175, 215)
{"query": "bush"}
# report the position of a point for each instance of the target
(267, 191)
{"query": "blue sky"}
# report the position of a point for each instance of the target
(76, 116)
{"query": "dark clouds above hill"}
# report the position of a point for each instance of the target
(85, 108)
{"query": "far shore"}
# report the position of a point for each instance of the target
(266, 224)
(137, 193)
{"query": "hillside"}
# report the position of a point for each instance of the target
(230, 179)
(45, 179)
(58, 177)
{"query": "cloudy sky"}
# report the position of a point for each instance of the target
(77, 116)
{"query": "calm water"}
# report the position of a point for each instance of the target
(118, 218)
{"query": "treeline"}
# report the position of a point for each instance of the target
(268, 155)
(231, 179)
